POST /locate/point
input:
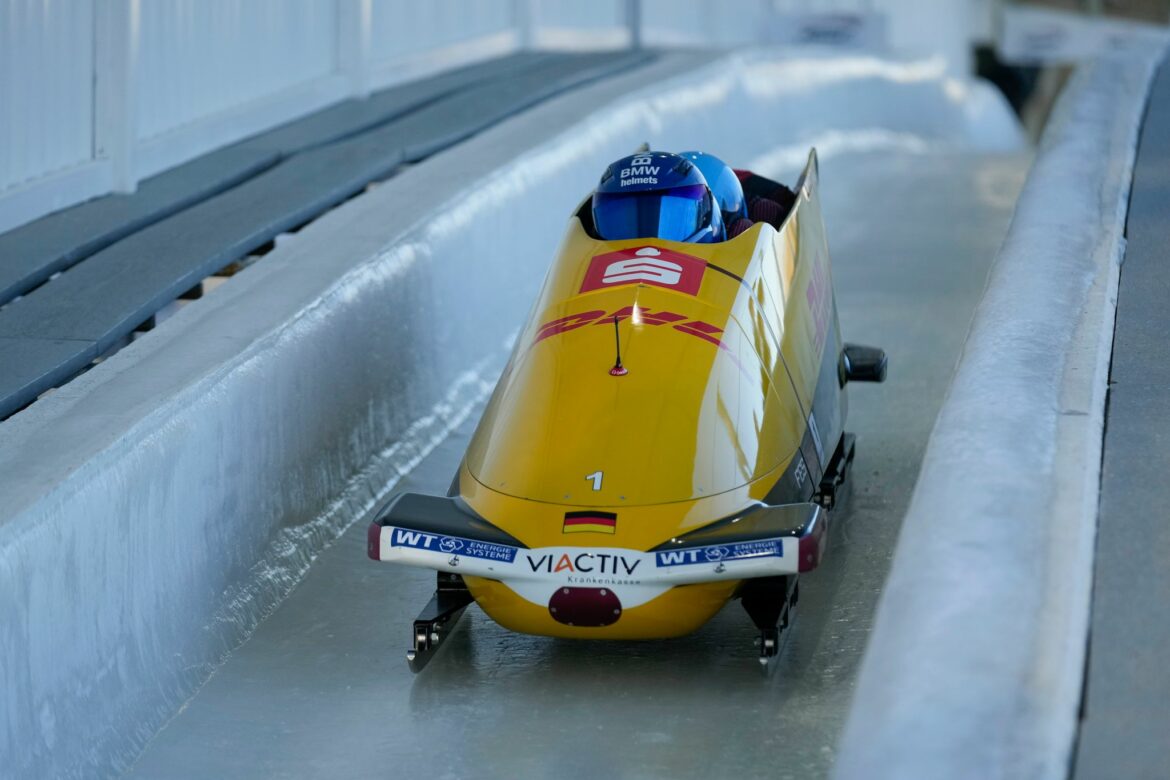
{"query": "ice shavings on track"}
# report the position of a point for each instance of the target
(293, 551)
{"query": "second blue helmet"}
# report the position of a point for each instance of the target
(724, 184)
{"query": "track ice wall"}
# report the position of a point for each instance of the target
(158, 507)
(976, 662)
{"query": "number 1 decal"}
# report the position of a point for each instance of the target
(595, 477)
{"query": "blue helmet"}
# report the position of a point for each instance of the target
(724, 185)
(656, 195)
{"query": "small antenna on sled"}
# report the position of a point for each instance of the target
(618, 369)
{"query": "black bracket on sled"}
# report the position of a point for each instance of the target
(769, 602)
(863, 364)
(836, 471)
(437, 619)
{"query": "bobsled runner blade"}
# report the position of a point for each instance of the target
(828, 491)
(769, 602)
(437, 620)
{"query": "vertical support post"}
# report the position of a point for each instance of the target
(116, 37)
(634, 22)
(354, 41)
(526, 15)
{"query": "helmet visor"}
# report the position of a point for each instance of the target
(673, 215)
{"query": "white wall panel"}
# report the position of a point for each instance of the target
(941, 27)
(572, 24)
(46, 88)
(596, 14)
(401, 28)
(726, 23)
(915, 27)
(200, 57)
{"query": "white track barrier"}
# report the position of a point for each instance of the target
(975, 665)
(158, 507)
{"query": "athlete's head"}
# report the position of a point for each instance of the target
(724, 185)
(656, 195)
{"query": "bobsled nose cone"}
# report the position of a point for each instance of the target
(586, 607)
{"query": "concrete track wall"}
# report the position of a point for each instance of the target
(158, 507)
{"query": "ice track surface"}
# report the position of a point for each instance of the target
(322, 688)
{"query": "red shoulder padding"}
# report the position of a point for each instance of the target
(739, 226)
(767, 210)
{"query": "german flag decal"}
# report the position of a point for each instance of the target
(590, 522)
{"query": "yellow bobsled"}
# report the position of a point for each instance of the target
(667, 435)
